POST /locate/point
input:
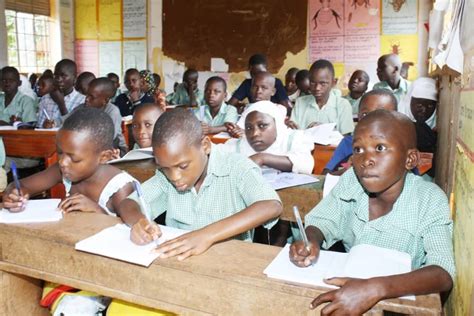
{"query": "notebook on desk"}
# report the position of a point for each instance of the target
(114, 242)
(135, 154)
(36, 211)
(363, 261)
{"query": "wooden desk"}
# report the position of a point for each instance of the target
(228, 279)
(322, 154)
(33, 144)
(305, 196)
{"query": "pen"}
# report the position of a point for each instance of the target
(15, 177)
(143, 205)
(46, 114)
(301, 227)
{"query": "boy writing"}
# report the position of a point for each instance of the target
(63, 99)
(388, 71)
(188, 93)
(126, 102)
(357, 87)
(217, 195)
(217, 113)
(258, 63)
(14, 105)
(379, 202)
(322, 106)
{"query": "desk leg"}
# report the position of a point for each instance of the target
(20, 295)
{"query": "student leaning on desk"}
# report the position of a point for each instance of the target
(379, 202)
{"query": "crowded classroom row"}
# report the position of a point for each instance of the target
(380, 198)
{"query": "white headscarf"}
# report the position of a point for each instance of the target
(424, 88)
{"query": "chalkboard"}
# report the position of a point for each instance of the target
(194, 31)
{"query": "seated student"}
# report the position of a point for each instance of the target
(290, 85)
(371, 101)
(217, 113)
(420, 106)
(14, 105)
(302, 82)
(357, 87)
(188, 93)
(45, 85)
(322, 106)
(215, 194)
(63, 99)
(127, 101)
(379, 202)
(84, 145)
(83, 81)
(116, 80)
(269, 142)
(144, 119)
(98, 96)
(388, 71)
(258, 63)
(170, 96)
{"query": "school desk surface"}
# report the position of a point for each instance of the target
(305, 196)
(228, 279)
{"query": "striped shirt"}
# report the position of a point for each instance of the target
(418, 224)
(232, 184)
(72, 100)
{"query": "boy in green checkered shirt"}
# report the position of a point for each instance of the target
(214, 194)
(379, 202)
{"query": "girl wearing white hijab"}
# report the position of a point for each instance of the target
(419, 104)
(268, 141)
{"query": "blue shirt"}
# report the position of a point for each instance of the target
(243, 91)
(341, 154)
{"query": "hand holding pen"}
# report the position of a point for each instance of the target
(15, 198)
(303, 253)
(145, 229)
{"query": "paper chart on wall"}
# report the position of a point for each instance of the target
(399, 17)
(134, 18)
(362, 17)
(327, 47)
(110, 58)
(85, 19)
(110, 20)
(326, 18)
(134, 55)
(87, 56)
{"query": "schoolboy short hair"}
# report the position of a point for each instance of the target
(217, 79)
(113, 75)
(131, 71)
(12, 70)
(177, 123)
(190, 72)
(95, 122)
(323, 64)
(302, 75)
(146, 106)
(257, 59)
(105, 84)
(380, 92)
(67, 65)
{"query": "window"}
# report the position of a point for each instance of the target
(28, 41)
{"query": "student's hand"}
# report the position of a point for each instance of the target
(205, 128)
(313, 124)
(14, 119)
(143, 232)
(57, 96)
(14, 201)
(258, 158)
(79, 202)
(234, 130)
(48, 123)
(184, 246)
(291, 124)
(300, 256)
(115, 154)
(354, 297)
(160, 99)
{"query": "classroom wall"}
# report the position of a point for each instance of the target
(3, 36)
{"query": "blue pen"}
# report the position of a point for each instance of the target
(15, 177)
(143, 205)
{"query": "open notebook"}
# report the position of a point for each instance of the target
(36, 211)
(363, 261)
(114, 242)
(324, 134)
(135, 154)
(281, 180)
